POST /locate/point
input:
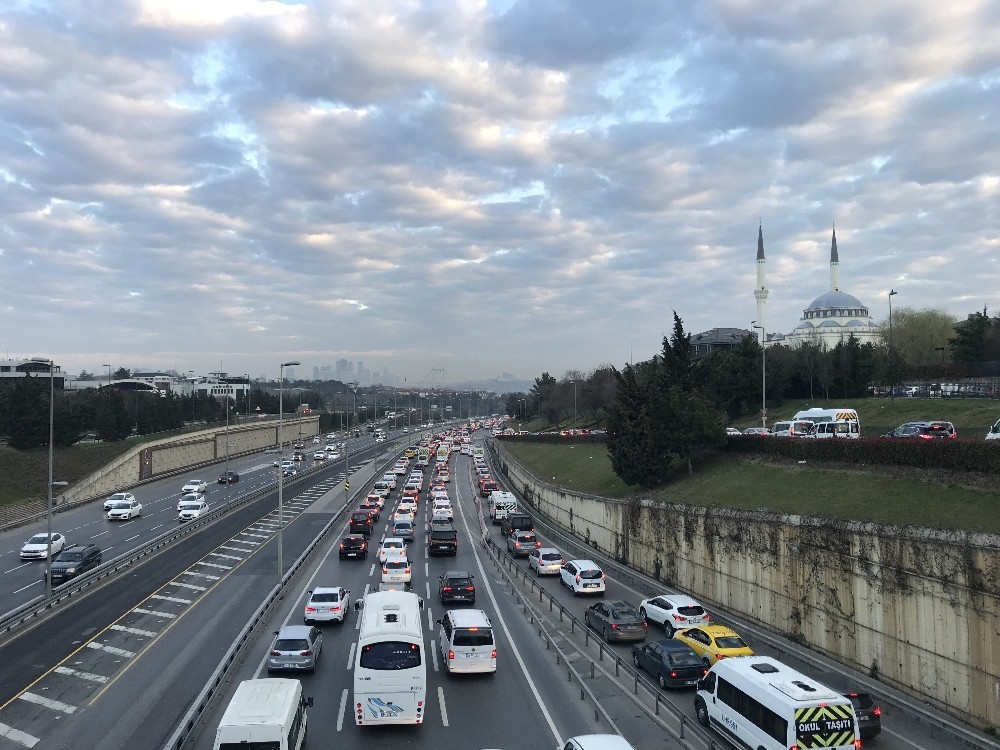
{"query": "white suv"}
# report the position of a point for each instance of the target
(582, 577)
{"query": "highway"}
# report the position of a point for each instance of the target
(119, 668)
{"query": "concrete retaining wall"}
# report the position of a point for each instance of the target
(919, 608)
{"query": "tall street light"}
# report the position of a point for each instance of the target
(51, 484)
(281, 456)
(574, 402)
(763, 375)
(892, 378)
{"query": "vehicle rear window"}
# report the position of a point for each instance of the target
(550, 556)
(266, 745)
(527, 538)
(862, 700)
(623, 613)
(331, 596)
(730, 641)
(396, 564)
(684, 659)
(390, 655)
(691, 611)
(473, 637)
(590, 574)
(443, 534)
(459, 582)
(291, 644)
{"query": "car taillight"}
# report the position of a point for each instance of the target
(310, 609)
(275, 653)
(857, 744)
(877, 711)
(645, 624)
(673, 675)
(305, 653)
(407, 571)
(578, 579)
(679, 618)
(447, 588)
(470, 588)
(335, 608)
(615, 626)
(720, 657)
(494, 654)
(342, 545)
(451, 655)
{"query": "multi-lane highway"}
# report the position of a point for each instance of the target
(120, 668)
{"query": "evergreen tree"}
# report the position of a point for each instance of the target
(696, 426)
(634, 445)
(28, 415)
(112, 422)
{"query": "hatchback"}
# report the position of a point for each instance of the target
(353, 545)
(582, 577)
(295, 647)
(520, 543)
(545, 561)
(457, 586)
(326, 604)
(869, 715)
(403, 530)
(396, 569)
(672, 663)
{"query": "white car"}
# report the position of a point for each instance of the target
(443, 507)
(325, 604)
(316, 441)
(188, 510)
(545, 561)
(319, 456)
(391, 546)
(390, 478)
(194, 485)
(442, 514)
(582, 577)
(125, 510)
(118, 497)
(403, 514)
(396, 569)
(673, 612)
(194, 497)
(34, 548)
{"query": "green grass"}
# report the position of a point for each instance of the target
(23, 474)
(751, 484)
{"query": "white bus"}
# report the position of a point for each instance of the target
(390, 671)
(759, 703)
(268, 714)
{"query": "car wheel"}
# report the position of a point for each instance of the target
(661, 680)
(705, 660)
(701, 711)
(635, 660)
(604, 633)
(668, 629)
(642, 613)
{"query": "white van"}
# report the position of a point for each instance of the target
(817, 415)
(791, 428)
(264, 713)
(502, 504)
(466, 641)
(840, 428)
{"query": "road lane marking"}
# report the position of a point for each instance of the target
(16, 735)
(213, 565)
(174, 599)
(350, 655)
(444, 710)
(142, 611)
(110, 649)
(25, 588)
(340, 713)
(434, 654)
(89, 676)
(188, 585)
(47, 702)
(200, 575)
(135, 631)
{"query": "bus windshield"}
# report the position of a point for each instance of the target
(390, 655)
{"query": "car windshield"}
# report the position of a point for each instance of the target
(326, 596)
(684, 659)
(590, 574)
(38, 539)
(291, 644)
(190, 506)
(121, 505)
(730, 641)
(390, 655)
(691, 610)
(473, 637)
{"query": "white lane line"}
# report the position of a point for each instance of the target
(201, 575)
(434, 654)
(16, 735)
(22, 565)
(174, 599)
(133, 537)
(47, 702)
(133, 631)
(228, 557)
(25, 588)
(428, 585)
(350, 655)
(88, 676)
(234, 540)
(213, 565)
(100, 533)
(110, 649)
(236, 549)
(427, 569)
(444, 710)
(430, 618)
(188, 586)
(156, 527)
(340, 713)
(142, 611)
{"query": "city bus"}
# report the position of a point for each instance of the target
(390, 670)
(268, 713)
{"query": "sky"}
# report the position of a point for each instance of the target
(480, 187)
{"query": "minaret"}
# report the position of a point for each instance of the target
(834, 264)
(761, 291)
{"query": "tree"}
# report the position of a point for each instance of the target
(28, 413)
(808, 363)
(696, 426)
(976, 339)
(676, 357)
(919, 337)
(635, 446)
(544, 393)
(112, 420)
(122, 373)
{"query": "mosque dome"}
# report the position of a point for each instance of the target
(835, 300)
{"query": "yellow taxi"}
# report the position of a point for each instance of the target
(409, 453)
(714, 642)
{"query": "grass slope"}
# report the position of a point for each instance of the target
(804, 490)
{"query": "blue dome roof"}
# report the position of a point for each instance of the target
(829, 324)
(856, 323)
(805, 325)
(834, 299)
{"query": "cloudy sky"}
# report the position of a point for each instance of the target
(479, 187)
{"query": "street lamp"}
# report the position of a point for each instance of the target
(281, 456)
(51, 484)
(763, 375)
(892, 384)
(574, 402)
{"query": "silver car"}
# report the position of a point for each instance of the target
(295, 647)
(545, 561)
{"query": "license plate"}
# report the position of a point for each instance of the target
(472, 656)
(322, 610)
(690, 682)
(590, 585)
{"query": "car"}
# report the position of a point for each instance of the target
(714, 642)
(905, 430)
(396, 569)
(194, 497)
(39, 545)
(673, 611)
(456, 586)
(360, 523)
(191, 509)
(194, 485)
(403, 530)
(295, 647)
(125, 510)
(391, 545)
(545, 561)
(326, 604)
(117, 498)
(486, 486)
(298, 446)
(520, 543)
(596, 742)
(937, 431)
(582, 577)
(442, 539)
(390, 479)
(756, 431)
(316, 440)
(319, 456)
(733, 431)
(229, 477)
(298, 456)
(868, 713)
(372, 506)
(616, 621)
(353, 545)
(672, 663)
(74, 560)
(442, 514)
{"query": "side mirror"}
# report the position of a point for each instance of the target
(358, 603)
(420, 603)
(438, 622)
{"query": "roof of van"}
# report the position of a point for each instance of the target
(265, 701)
(470, 618)
(763, 670)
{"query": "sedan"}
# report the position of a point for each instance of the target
(229, 477)
(194, 497)
(545, 561)
(319, 456)
(457, 586)
(672, 663)
(391, 545)
(520, 543)
(616, 621)
(192, 509)
(295, 647)
(36, 547)
(713, 643)
(194, 485)
(125, 510)
(325, 604)
(673, 611)
(118, 497)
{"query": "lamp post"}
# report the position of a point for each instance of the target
(227, 448)
(574, 402)
(892, 374)
(51, 484)
(763, 375)
(281, 456)
(193, 401)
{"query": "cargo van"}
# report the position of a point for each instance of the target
(466, 642)
(264, 713)
(841, 428)
(817, 415)
(502, 504)
(791, 428)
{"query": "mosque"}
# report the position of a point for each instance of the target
(832, 317)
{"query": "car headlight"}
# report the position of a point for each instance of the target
(70, 570)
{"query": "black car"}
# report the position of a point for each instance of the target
(442, 540)
(457, 586)
(354, 545)
(229, 477)
(75, 560)
(361, 523)
(869, 715)
(672, 663)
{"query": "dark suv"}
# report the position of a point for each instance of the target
(516, 522)
(457, 586)
(361, 523)
(869, 715)
(354, 545)
(75, 560)
(442, 540)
